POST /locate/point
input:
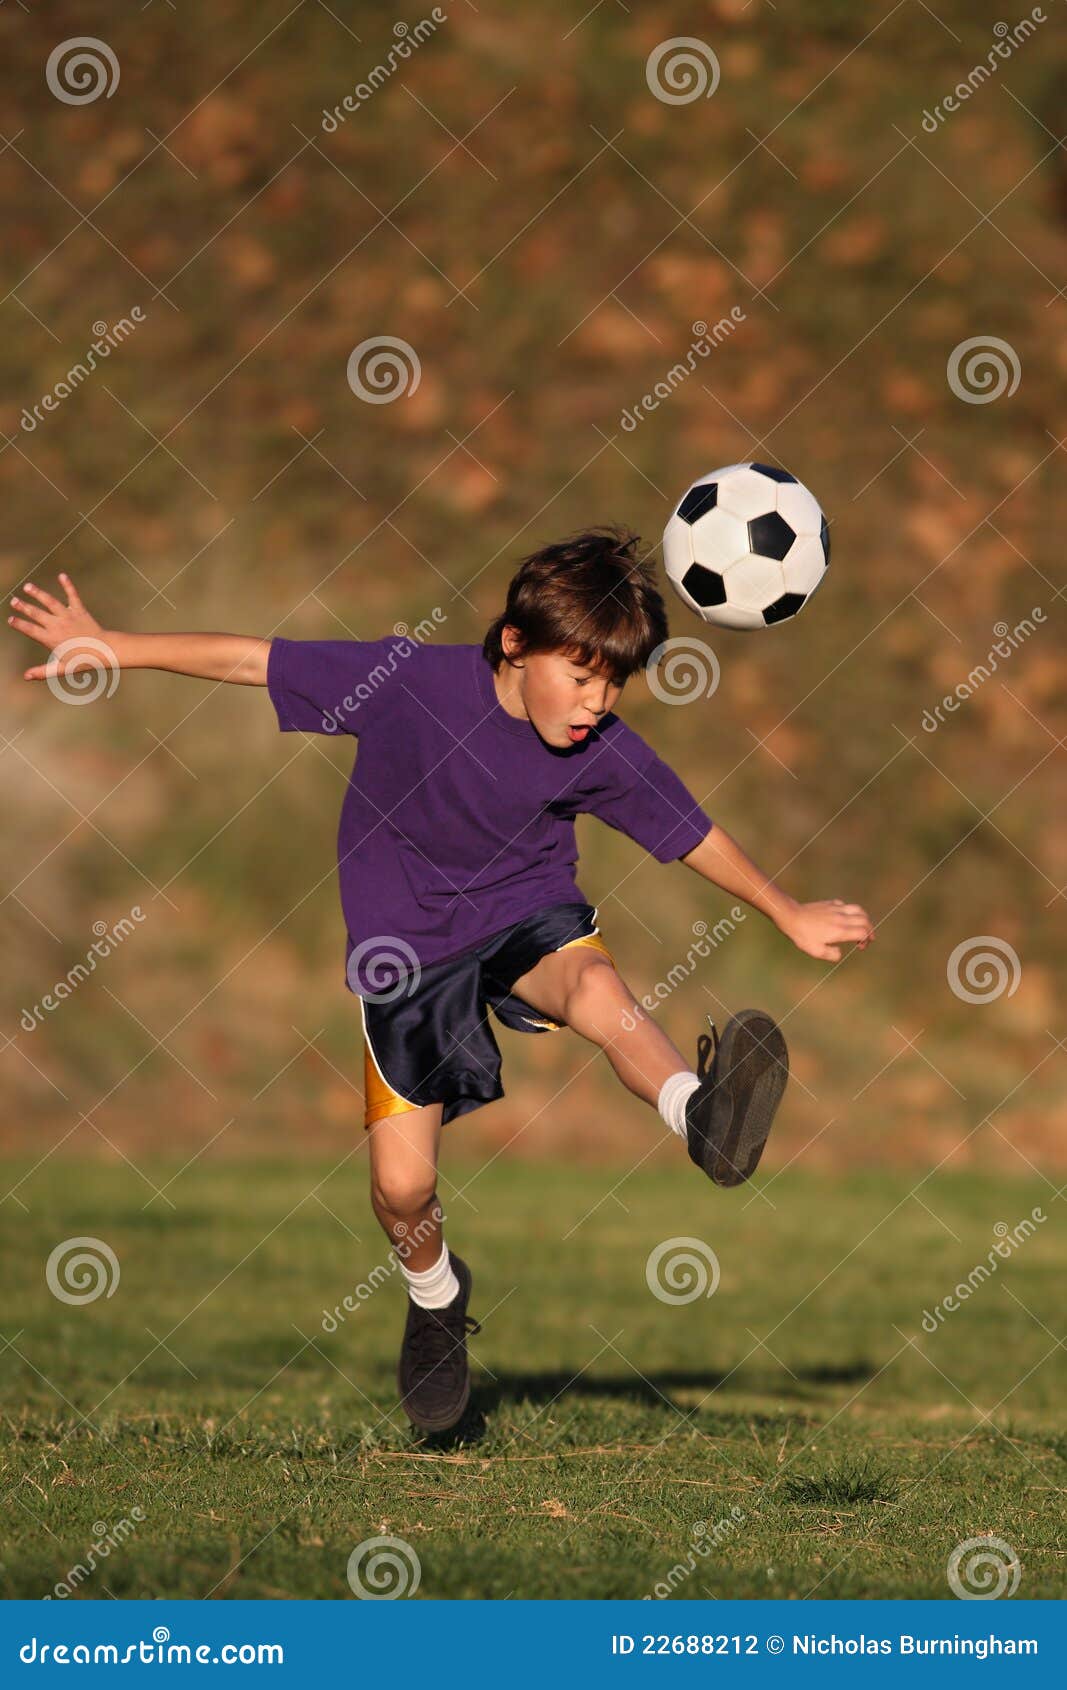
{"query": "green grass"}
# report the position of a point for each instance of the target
(860, 1481)
(782, 1437)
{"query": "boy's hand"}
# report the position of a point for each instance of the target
(821, 929)
(69, 627)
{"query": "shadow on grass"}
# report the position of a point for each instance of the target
(651, 1390)
(655, 1391)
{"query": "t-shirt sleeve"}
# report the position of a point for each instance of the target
(330, 686)
(634, 790)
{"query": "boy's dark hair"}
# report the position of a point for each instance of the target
(590, 595)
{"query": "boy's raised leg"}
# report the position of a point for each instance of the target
(584, 991)
(724, 1110)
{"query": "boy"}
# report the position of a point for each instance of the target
(456, 862)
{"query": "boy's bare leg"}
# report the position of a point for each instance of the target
(403, 1183)
(579, 986)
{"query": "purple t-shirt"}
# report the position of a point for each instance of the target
(458, 820)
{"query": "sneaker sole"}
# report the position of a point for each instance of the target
(444, 1422)
(754, 1063)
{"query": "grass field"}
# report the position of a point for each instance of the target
(260, 1449)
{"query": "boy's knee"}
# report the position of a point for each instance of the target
(402, 1191)
(593, 988)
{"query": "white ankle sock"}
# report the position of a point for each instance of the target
(674, 1095)
(436, 1286)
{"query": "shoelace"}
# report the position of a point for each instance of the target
(707, 1045)
(430, 1335)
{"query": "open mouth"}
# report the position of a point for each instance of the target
(577, 735)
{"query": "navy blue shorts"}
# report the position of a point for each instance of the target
(431, 1042)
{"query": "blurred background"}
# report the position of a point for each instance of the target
(511, 197)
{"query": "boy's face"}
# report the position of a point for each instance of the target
(563, 699)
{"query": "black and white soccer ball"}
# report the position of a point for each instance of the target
(747, 546)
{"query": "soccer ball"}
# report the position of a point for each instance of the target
(747, 546)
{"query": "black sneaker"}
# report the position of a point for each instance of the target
(729, 1118)
(433, 1375)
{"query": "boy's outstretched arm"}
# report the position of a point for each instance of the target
(819, 929)
(77, 641)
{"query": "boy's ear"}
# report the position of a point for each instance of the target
(512, 642)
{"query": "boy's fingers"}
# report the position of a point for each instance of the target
(71, 591)
(32, 611)
(46, 598)
(34, 629)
